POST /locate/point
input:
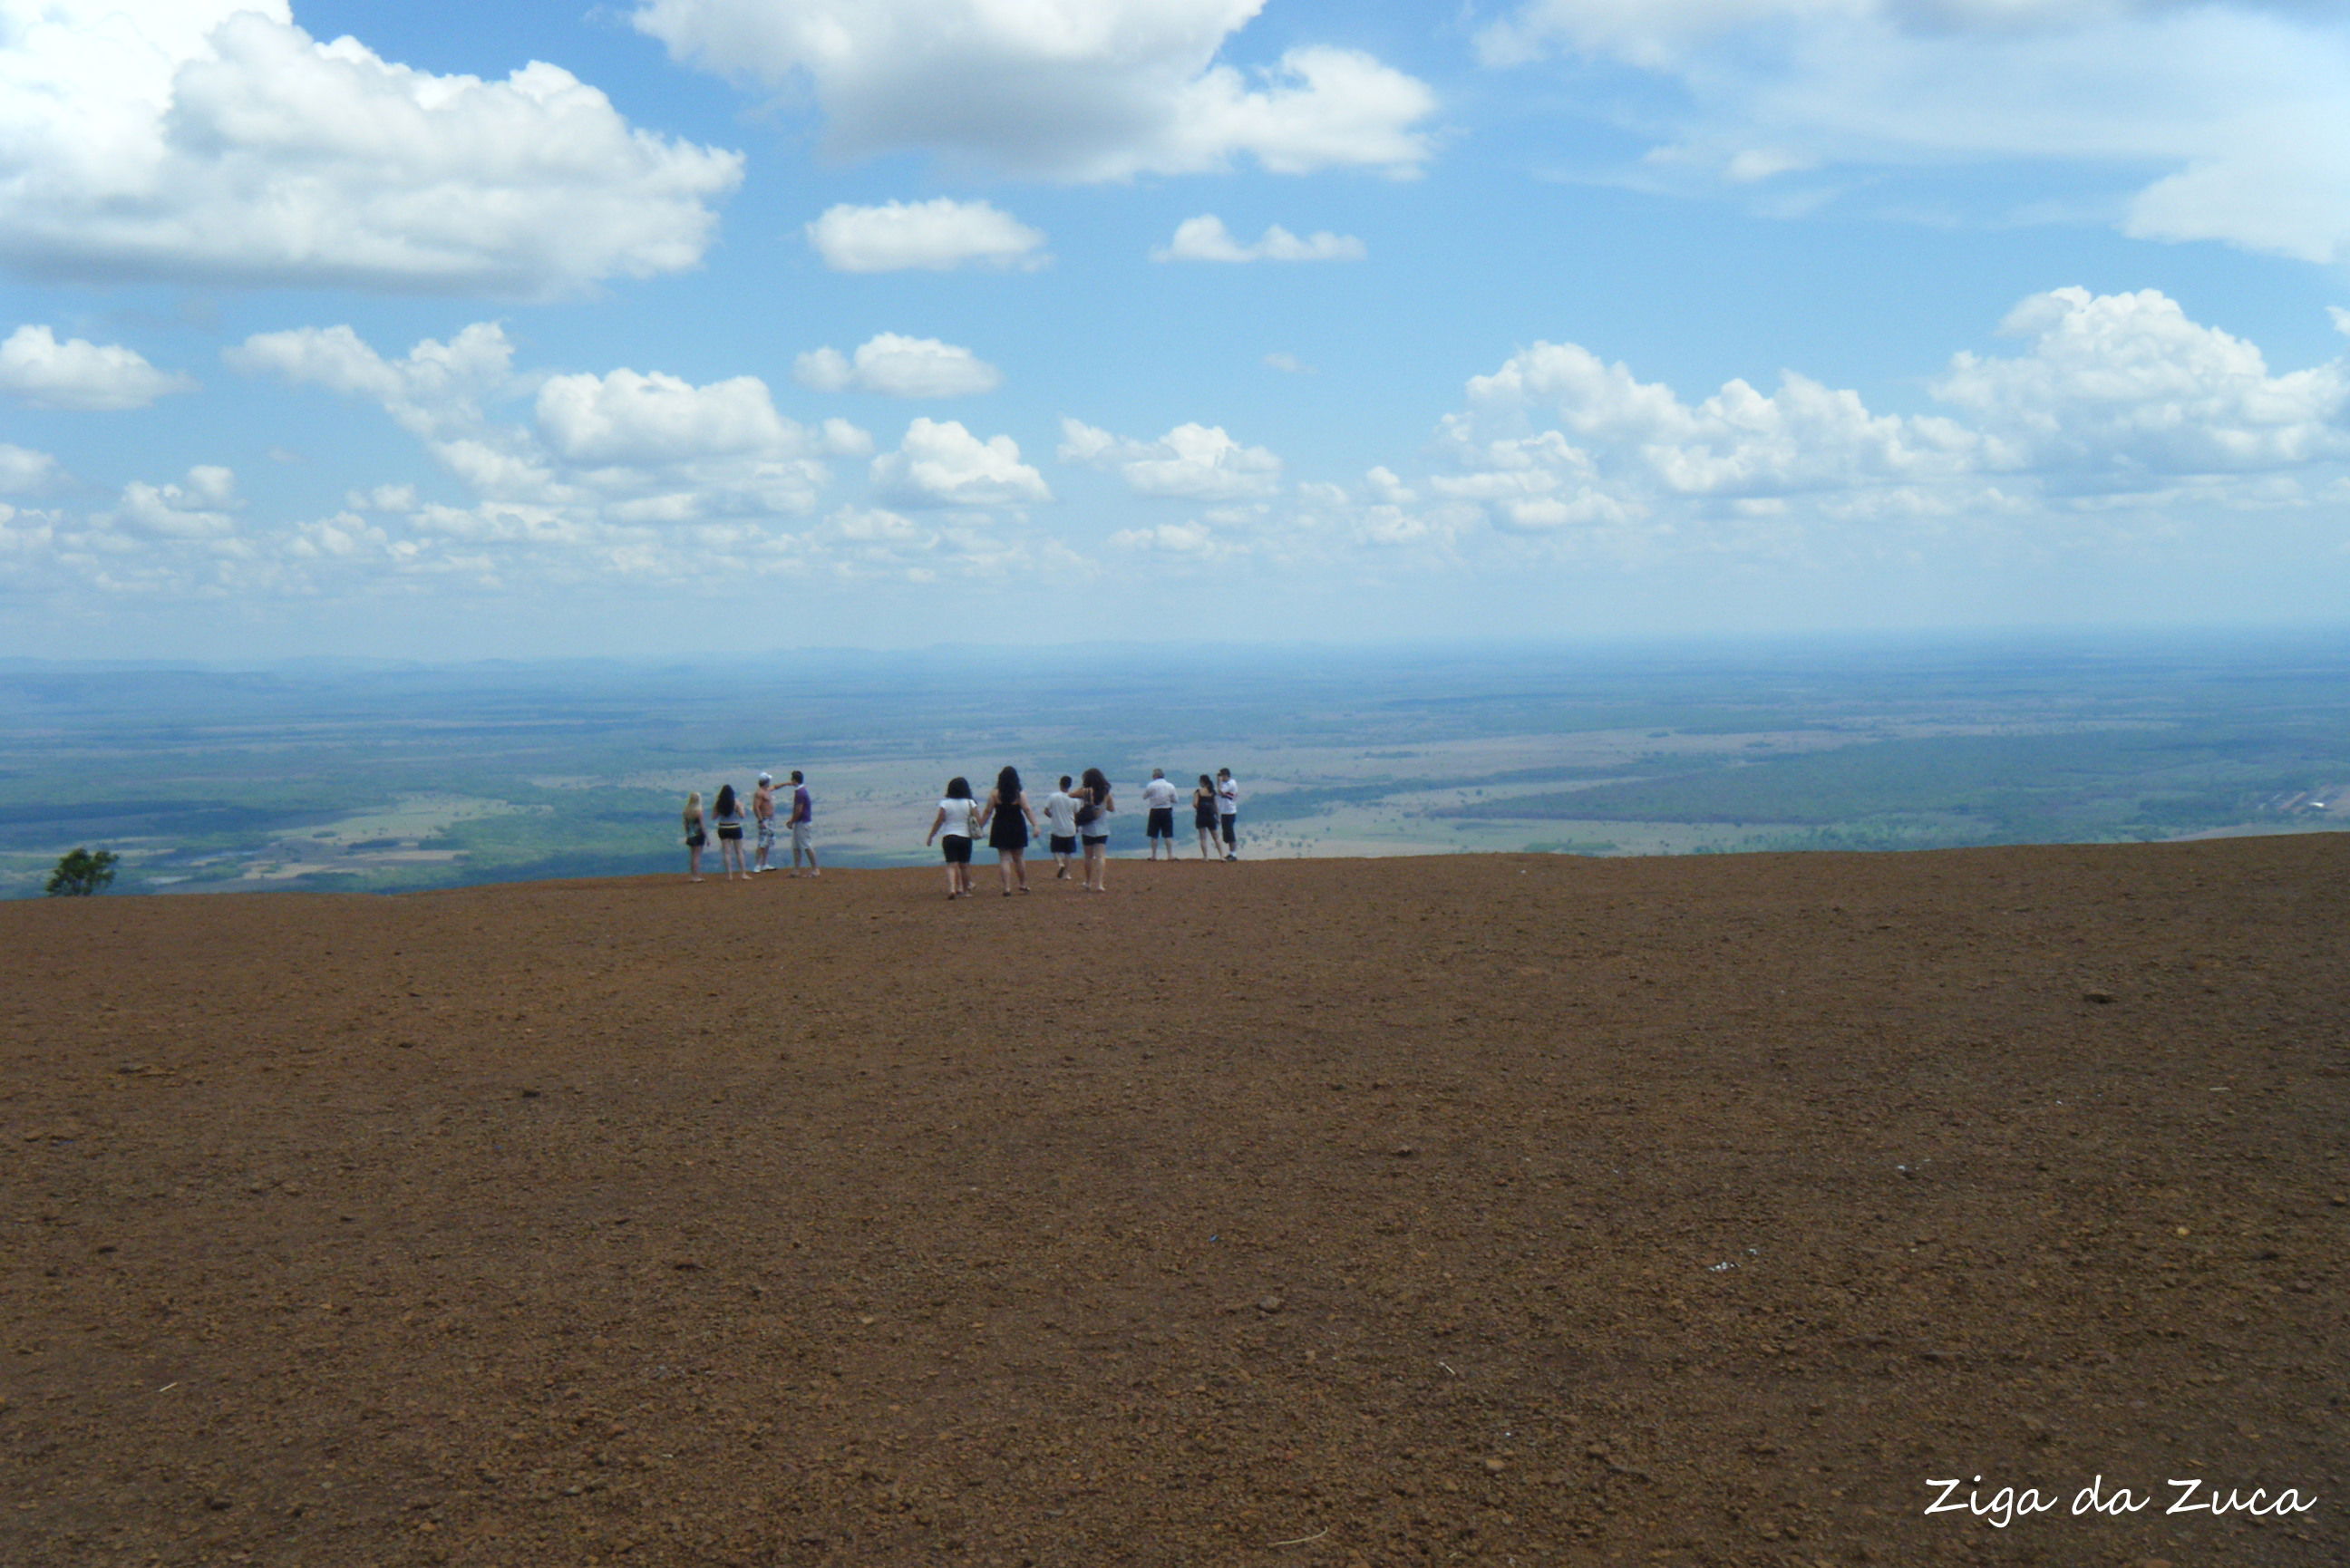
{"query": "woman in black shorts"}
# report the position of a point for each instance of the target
(726, 815)
(953, 827)
(1203, 815)
(1009, 822)
(694, 838)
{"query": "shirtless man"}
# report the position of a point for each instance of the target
(762, 812)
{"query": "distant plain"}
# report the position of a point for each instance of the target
(358, 777)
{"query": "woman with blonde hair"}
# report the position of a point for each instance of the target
(694, 837)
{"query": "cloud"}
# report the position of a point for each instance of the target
(901, 366)
(214, 141)
(1739, 442)
(2115, 400)
(933, 237)
(625, 417)
(2126, 385)
(1103, 90)
(1191, 462)
(944, 464)
(1194, 540)
(2235, 104)
(80, 374)
(1205, 239)
(631, 446)
(435, 385)
(22, 469)
(199, 509)
(1288, 364)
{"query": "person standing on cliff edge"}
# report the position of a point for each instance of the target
(802, 822)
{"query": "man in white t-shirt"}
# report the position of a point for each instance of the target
(1158, 800)
(1228, 811)
(1060, 822)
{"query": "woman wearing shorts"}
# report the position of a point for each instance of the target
(726, 815)
(954, 828)
(1203, 815)
(1008, 822)
(694, 838)
(1094, 806)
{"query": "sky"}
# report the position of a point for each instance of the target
(663, 327)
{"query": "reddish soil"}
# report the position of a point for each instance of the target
(1493, 1210)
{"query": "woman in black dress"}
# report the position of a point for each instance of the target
(1203, 815)
(1009, 821)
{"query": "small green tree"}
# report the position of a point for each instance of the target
(82, 873)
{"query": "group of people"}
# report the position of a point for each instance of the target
(726, 818)
(1075, 822)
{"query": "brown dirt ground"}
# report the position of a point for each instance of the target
(1493, 1210)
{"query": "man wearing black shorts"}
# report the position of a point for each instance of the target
(1228, 808)
(1158, 797)
(1061, 823)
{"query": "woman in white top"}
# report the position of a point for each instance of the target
(1094, 807)
(955, 827)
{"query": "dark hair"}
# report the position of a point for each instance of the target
(1207, 783)
(725, 805)
(1007, 785)
(1067, 781)
(1098, 782)
(958, 788)
(796, 778)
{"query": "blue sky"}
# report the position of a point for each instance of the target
(686, 326)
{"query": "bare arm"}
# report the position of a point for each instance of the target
(936, 822)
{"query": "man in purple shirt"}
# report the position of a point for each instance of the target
(802, 825)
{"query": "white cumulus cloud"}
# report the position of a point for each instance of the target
(198, 509)
(214, 141)
(931, 236)
(2112, 400)
(1191, 462)
(899, 366)
(940, 464)
(80, 374)
(435, 385)
(1205, 239)
(625, 417)
(1071, 90)
(2127, 384)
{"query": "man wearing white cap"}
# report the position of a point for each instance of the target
(762, 811)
